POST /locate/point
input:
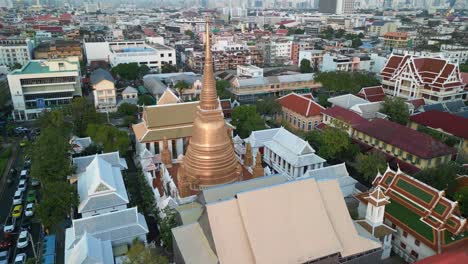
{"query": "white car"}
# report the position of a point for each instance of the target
(18, 197)
(29, 209)
(22, 185)
(4, 257)
(9, 224)
(23, 239)
(24, 174)
(20, 258)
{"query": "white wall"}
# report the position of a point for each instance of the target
(97, 51)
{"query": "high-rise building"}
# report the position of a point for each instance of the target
(336, 6)
(210, 159)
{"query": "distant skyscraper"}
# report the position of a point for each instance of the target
(336, 6)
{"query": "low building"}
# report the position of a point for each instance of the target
(129, 95)
(251, 71)
(104, 92)
(372, 94)
(446, 123)
(426, 222)
(412, 149)
(100, 184)
(300, 112)
(249, 90)
(396, 40)
(44, 84)
(341, 118)
(306, 219)
(289, 154)
(314, 56)
(154, 56)
(58, 49)
(434, 79)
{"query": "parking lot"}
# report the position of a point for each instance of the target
(7, 191)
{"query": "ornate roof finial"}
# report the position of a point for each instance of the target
(166, 158)
(258, 170)
(208, 97)
(248, 158)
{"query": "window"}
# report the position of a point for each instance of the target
(393, 226)
(162, 55)
(402, 245)
(309, 127)
(405, 234)
(414, 254)
(294, 120)
(417, 242)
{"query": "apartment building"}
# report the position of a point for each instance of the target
(380, 28)
(396, 40)
(453, 53)
(43, 84)
(351, 62)
(249, 90)
(434, 79)
(281, 51)
(58, 49)
(226, 60)
(154, 56)
(314, 56)
(15, 51)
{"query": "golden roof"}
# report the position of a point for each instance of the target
(210, 158)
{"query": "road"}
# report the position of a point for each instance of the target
(6, 200)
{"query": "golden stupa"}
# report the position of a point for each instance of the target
(210, 158)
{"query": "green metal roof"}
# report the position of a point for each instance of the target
(35, 67)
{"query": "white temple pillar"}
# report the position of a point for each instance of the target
(180, 146)
(291, 170)
(152, 148)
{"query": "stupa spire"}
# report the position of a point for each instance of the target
(208, 97)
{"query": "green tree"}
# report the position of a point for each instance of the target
(396, 109)
(464, 66)
(268, 106)
(323, 100)
(140, 254)
(145, 99)
(127, 109)
(222, 89)
(332, 143)
(246, 119)
(282, 27)
(127, 71)
(82, 113)
(168, 68)
(462, 197)
(181, 86)
(165, 226)
(369, 164)
(190, 34)
(345, 82)
(143, 70)
(57, 200)
(305, 66)
(442, 177)
(109, 137)
(15, 66)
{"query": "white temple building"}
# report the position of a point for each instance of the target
(289, 154)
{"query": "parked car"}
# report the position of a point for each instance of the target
(24, 143)
(31, 196)
(9, 224)
(18, 197)
(29, 211)
(23, 239)
(4, 256)
(17, 211)
(20, 258)
(20, 130)
(24, 174)
(22, 185)
(35, 182)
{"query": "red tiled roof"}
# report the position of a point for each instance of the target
(372, 94)
(417, 102)
(396, 34)
(285, 22)
(282, 32)
(464, 76)
(453, 124)
(459, 255)
(300, 104)
(344, 115)
(405, 138)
